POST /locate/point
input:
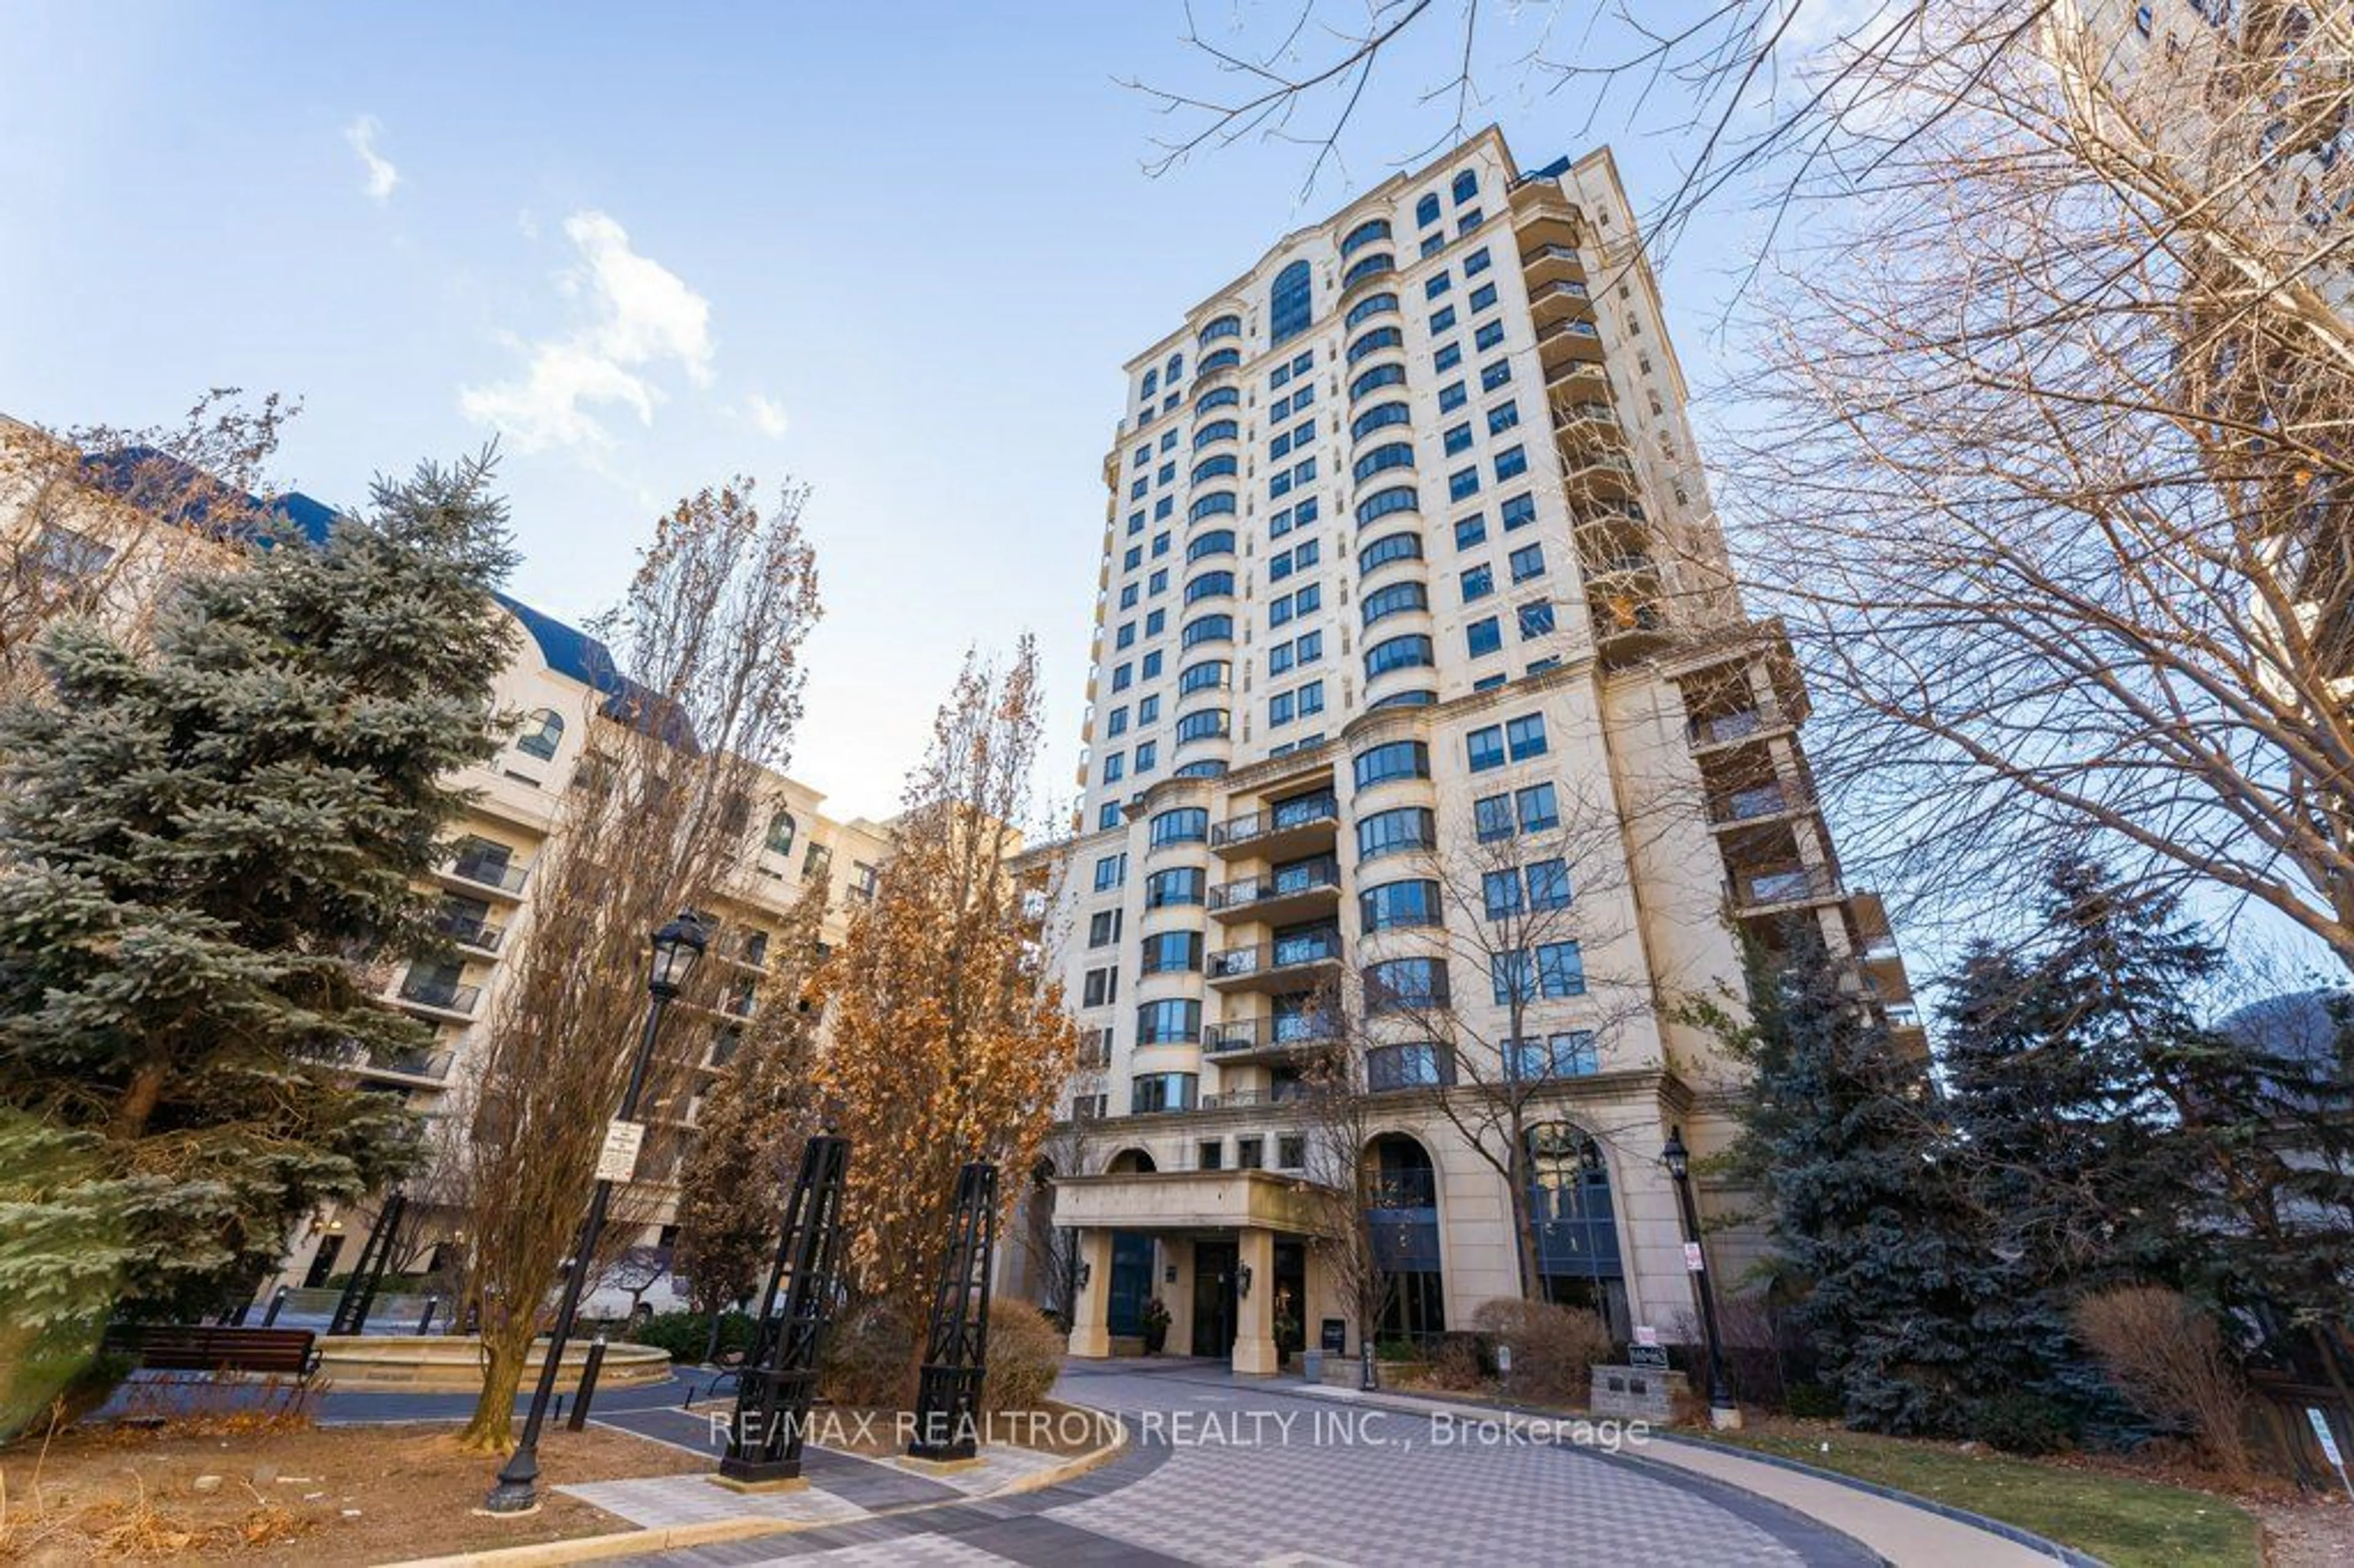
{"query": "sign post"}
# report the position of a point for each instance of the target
(2329, 1441)
(618, 1159)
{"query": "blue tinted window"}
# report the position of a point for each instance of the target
(1290, 304)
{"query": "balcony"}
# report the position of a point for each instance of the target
(1769, 801)
(1290, 963)
(1284, 828)
(1634, 564)
(423, 1066)
(1626, 625)
(1576, 336)
(445, 999)
(1267, 1040)
(1294, 893)
(1557, 293)
(494, 871)
(1736, 727)
(1788, 887)
(469, 932)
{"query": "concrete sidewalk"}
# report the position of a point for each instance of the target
(1898, 1527)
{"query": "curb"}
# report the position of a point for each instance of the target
(2016, 1534)
(627, 1543)
(668, 1537)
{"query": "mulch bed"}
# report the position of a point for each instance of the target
(288, 1493)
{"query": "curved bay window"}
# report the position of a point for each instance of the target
(1402, 1212)
(1576, 1231)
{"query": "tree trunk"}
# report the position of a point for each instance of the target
(1525, 1220)
(505, 1349)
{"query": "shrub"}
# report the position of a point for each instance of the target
(2020, 1423)
(1814, 1402)
(1457, 1362)
(2169, 1360)
(1554, 1349)
(686, 1334)
(1025, 1356)
(869, 1358)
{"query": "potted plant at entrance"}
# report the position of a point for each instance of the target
(1156, 1325)
(1287, 1328)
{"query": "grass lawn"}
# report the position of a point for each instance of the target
(2125, 1522)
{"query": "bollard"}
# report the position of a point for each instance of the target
(277, 1300)
(425, 1324)
(588, 1371)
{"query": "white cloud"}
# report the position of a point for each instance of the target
(768, 416)
(382, 177)
(633, 314)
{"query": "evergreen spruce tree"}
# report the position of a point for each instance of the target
(1843, 1139)
(199, 840)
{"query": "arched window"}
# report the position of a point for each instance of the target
(1466, 185)
(1401, 1214)
(1224, 326)
(1290, 304)
(540, 735)
(781, 829)
(1577, 1233)
(1425, 211)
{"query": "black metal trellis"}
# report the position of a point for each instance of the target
(947, 1399)
(358, 1299)
(780, 1376)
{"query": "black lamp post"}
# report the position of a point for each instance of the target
(677, 946)
(1722, 1413)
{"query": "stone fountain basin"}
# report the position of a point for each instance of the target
(453, 1363)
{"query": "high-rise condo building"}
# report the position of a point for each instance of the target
(1424, 718)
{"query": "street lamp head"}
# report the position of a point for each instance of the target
(1677, 1157)
(677, 946)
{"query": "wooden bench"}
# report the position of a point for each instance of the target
(210, 1352)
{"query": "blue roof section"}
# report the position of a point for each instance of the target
(568, 649)
(313, 518)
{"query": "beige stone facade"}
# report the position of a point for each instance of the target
(1410, 566)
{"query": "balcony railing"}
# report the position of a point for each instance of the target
(1718, 729)
(412, 1063)
(1754, 890)
(469, 932)
(1290, 952)
(1303, 811)
(1758, 800)
(446, 995)
(1268, 1033)
(1308, 876)
(490, 872)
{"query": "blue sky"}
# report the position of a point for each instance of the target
(897, 252)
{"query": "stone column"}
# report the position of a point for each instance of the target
(1255, 1331)
(1091, 1322)
(1177, 1295)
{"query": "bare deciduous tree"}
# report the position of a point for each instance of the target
(2050, 473)
(665, 801)
(1770, 100)
(1339, 1114)
(101, 519)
